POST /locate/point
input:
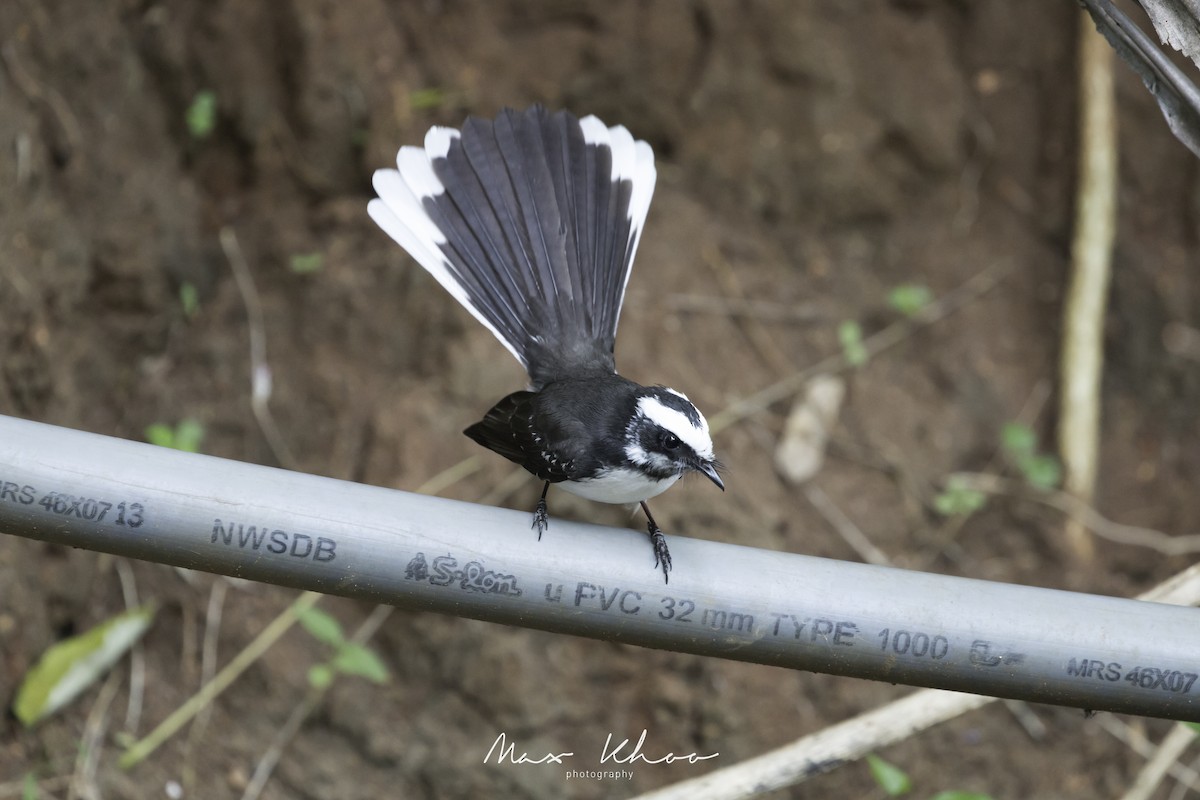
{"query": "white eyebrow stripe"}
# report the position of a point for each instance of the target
(675, 421)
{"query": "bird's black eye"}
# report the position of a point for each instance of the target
(670, 441)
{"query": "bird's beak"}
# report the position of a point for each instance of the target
(710, 469)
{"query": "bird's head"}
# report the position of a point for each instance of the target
(667, 436)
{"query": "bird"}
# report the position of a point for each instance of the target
(531, 220)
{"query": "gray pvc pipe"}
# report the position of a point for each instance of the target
(416, 552)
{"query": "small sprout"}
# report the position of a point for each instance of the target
(307, 263)
(426, 99)
(893, 780)
(189, 298)
(851, 337)
(354, 659)
(909, 298)
(186, 435)
(1040, 470)
(320, 676)
(322, 626)
(1018, 439)
(161, 435)
(202, 114)
(29, 787)
(958, 499)
(348, 658)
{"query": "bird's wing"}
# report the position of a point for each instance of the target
(513, 429)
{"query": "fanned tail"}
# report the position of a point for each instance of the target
(531, 221)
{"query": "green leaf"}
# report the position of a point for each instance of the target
(1195, 726)
(354, 659)
(893, 780)
(955, 795)
(1018, 440)
(161, 435)
(909, 298)
(29, 787)
(851, 337)
(188, 435)
(322, 626)
(1042, 472)
(307, 263)
(71, 666)
(425, 99)
(320, 676)
(189, 298)
(957, 499)
(202, 114)
(185, 436)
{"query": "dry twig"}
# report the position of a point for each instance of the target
(137, 655)
(1162, 760)
(91, 744)
(208, 670)
(1087, 293)
(762, 310)
(845, 527)
(37, 93)
(260, 370)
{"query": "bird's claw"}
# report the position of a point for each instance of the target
(541, 518)
(662, 555)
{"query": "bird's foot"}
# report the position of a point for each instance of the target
(541, 518)
(662, 555)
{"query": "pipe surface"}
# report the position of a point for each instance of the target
(432, 554)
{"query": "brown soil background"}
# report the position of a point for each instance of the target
(819, 153)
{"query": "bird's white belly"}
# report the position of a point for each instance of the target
(619, 486)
